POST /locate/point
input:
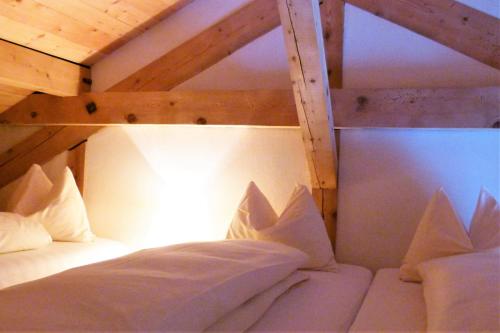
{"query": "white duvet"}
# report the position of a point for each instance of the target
(187, 287)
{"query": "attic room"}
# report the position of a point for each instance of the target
(249, 165)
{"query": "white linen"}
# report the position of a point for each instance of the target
(327, 302)
(440, 233)
(462, 293)
(64, 214)
(254, 213)
(25, 266)
(181, 287)
(485, 225)
(248, 313)
(300, 225)
(391, 305)
(18, 233)
(30, 193)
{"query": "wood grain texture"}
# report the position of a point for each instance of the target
(41, 151)
(254, 107)
(417, 108)
(205, 49)
(81, 31)
(11, 95)
(354, 108)
(332, 22)
(30, 70)
(448, 22)
(304, 43)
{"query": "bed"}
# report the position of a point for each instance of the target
(391, 305)
(326, 302)
(25, 266)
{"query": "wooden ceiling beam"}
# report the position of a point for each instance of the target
(447, 22)
(205, 49)
(254, 107)
(332, 22)
(306, 57)
(354, 108)
(31, 70)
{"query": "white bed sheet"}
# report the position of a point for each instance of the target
(326, 302)
(392, 305)
(24, 266)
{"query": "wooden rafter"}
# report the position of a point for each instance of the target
(304, 43)
(205, 49)
(332, 21)
(254, 107)
(448, 22)
(76, 163)
(261, 16)
(31, 70)
(62, 139)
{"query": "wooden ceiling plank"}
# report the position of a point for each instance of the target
(205, 49)
(255, 107)
(42, 41)
(24, 68)
(37, 15)
(448, 22)
(306, 56)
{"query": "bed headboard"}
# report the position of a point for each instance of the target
(387, 177)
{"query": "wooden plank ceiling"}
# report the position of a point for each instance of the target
(80, 31)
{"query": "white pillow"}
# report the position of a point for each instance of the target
(31, 192)
(18, 233)
(64, 215)
(462, 293)
(300, 226)
(254, 213)
(440, 233)
(485, 225)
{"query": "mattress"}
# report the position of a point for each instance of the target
(326, 302)
(24, 266)
(391, 305)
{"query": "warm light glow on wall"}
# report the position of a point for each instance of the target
(159, 185)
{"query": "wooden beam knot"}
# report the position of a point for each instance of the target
(201, 121)
(131, 118)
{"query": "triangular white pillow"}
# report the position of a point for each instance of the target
(485, 225)
(440, 233)
(64, 215)
(300, 226)
(254, 213)
(19, 233)
(31, 192)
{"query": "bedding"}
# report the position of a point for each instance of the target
(64, 214)
(463, 292)
(32, 190)
(327, 302)
(440, 233)
(391, 305)
(181, 287)
(300, 225)
(24, 266)
(18, 233)
(485, 225)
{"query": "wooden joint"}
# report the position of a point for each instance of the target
(87, 81)
(91, 107)
(77, 145)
